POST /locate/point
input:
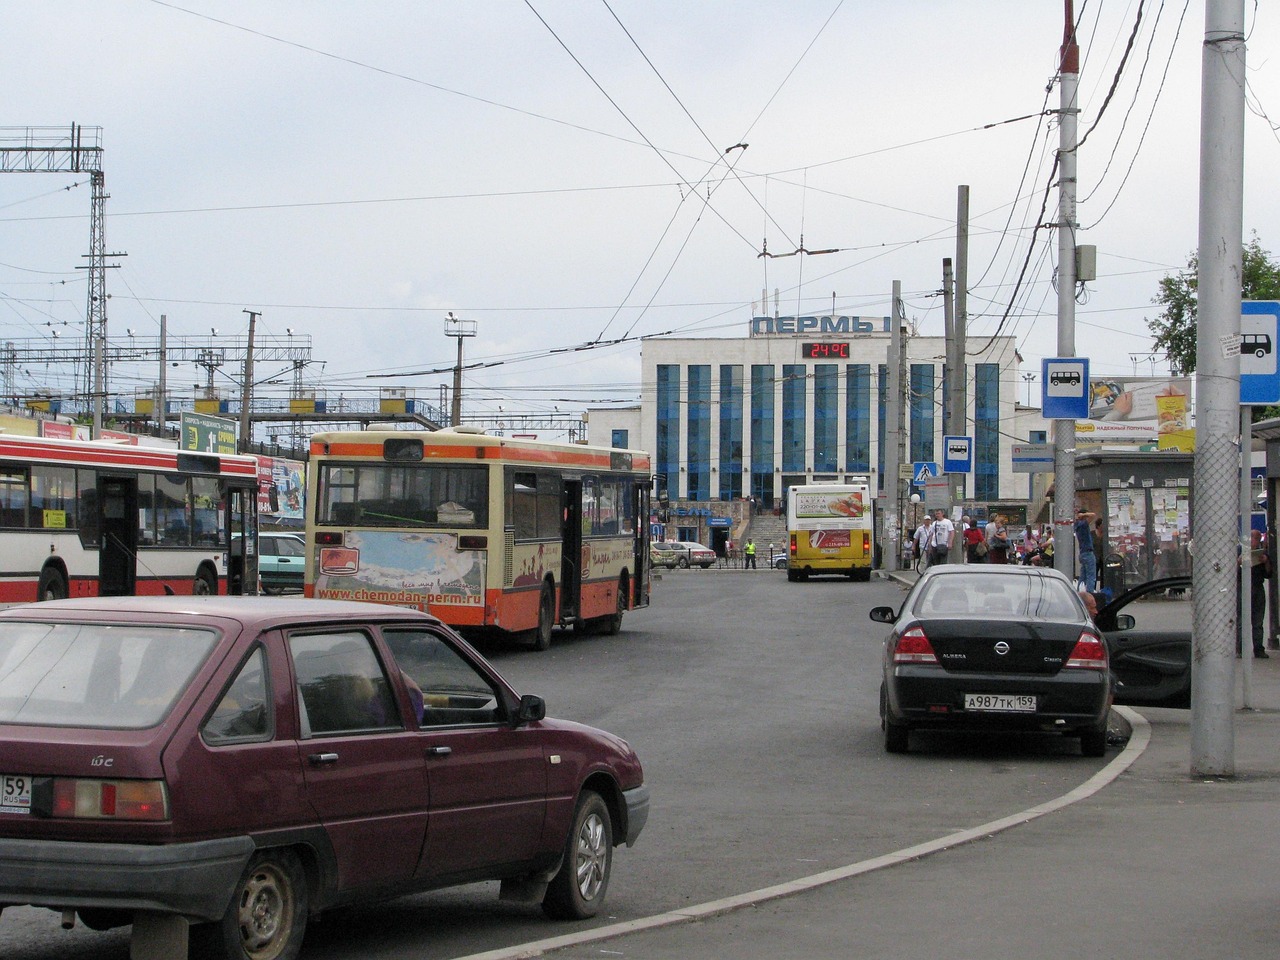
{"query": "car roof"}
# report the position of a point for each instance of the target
(264, 611)
(993, 570)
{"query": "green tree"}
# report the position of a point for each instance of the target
(1174, 331)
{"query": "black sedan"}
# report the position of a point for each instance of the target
(994, 647)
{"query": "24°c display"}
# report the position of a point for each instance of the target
(824, 350)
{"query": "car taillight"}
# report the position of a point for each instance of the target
(110, 799)
(914, 647)
(1090, 653)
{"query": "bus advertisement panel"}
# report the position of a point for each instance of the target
(829, 530)
(487, 533)
(90, 518)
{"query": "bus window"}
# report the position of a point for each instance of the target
(146, 511)
(172, 527)
(523, 505)
(13, 498)
(53, 497)
(87, 514)
(207, 527)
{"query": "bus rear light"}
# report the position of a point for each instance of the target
(793, 545)
(110, 799)
(473, 543)
(914, 647)
(328, 538)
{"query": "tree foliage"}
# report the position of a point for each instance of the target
(1174, 330)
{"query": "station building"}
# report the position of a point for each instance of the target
(803, 400)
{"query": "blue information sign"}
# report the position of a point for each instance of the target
(957, 454)
(1065, 382)
(1259, 373)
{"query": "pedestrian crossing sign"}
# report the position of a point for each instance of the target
(923, 471)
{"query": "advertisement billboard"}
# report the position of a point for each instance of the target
(1137, 408)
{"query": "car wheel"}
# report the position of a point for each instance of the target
(683, 563)
(577, 890)
(792, 576)
(53, 585)
(203, 586)
(546, 617)
(1093, 743)
(267, 916)
(895, 736)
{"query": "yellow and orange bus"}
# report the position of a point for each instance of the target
(490, 534)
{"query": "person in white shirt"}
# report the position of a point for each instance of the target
(941, 534)
(923, 533)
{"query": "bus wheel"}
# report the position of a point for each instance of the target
(546, 615)
(53, 585)
(202, 586)
(613, 625)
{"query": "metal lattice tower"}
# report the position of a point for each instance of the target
(79, 150)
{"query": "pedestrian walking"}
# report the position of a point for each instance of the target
(750, 553)
(923, 533)
(1088, 578)
(940, 537)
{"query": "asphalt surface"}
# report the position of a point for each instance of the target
(1144, 860)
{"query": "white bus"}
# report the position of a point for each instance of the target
(93, 518)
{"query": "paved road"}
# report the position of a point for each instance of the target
(752, 702)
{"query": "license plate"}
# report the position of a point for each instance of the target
(999, 703)
(15, 793)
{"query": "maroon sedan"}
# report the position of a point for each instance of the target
(241, 764)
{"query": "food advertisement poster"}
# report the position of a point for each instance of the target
(1137, 408)
(847, 506)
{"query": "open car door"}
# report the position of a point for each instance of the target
(1148, 634)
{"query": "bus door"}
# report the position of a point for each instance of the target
(242, 545)
(118, 526)
(640, 513)
(571, 551)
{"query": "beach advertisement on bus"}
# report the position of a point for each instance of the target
(406, 569)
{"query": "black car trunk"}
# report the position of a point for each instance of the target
(977, 644)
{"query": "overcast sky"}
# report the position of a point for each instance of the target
(564, 172)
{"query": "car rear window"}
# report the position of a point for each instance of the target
(96, 675)
(987, 596)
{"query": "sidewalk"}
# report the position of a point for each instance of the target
(1143, 861)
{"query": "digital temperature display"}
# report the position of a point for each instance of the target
(824, 351)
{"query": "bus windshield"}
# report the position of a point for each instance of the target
(404, 495)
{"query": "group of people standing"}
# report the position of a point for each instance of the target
(982, 544)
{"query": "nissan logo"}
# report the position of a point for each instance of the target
(1002, 648)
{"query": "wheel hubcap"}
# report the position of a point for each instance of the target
(266, 914)
(593, 857)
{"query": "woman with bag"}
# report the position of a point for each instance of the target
(998, 540)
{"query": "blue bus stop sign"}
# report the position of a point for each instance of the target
(1259, 372)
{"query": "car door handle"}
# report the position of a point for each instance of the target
(322, 758)
(439, 751)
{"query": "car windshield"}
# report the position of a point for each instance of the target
(95, 675)
(992, 596)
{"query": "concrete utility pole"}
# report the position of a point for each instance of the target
(1215, 522)
(1064, 431)
(959, 378)
(162, 401)
(246, 392)
(453, 327)
(892, 481)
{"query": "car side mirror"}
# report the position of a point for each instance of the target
(883, 614)
(531, 709)
(1124, 621)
